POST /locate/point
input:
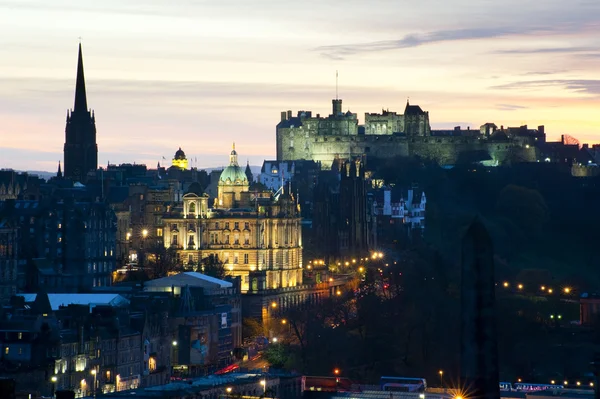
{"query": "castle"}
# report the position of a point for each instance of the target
(389, 134)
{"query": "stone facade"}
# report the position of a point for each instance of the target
(390, 134)
(257, 236)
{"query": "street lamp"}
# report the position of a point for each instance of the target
(264, 384)
(174, 343)
(273, 305)
(94, 389)
(229, 389)
(274, 340)
(441, 372)
(283, 321)
(336, 371)
(53, 379)
(520, 286)
(145, 233)
(567, 290)
(505, 284)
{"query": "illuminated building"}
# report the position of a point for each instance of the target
(257, 235)
(179, 160)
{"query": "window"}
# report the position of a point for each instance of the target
(236, 225)
(247, 226)
(247, 239)
(246, 259)
(217, 225)
(226, 225)
(159, 232)
(174, 242)
(236, 237)
(6, 350)
(226, 239)
(235, 258)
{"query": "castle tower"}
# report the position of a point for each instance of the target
(80, 150)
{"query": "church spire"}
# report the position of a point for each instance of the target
(80, 97)
(59, 173)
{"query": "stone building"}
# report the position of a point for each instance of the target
(206, 323)
(180, 160)
(63, 245)
(343, 221)
(390, 134)
(81, 150)
(256, 235)
(8, 260)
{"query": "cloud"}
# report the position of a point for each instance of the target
(509, 107)
(419, 39)
(585, 86)
(548, 50)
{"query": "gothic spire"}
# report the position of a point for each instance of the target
(80, 97)
(59, 173)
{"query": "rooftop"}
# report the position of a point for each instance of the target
(57, 300)
(191, 279)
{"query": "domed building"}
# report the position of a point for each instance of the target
(232, 183)
(257, 236)
(179, 160)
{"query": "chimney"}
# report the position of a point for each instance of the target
(337, 106)
(283, 116)
(289, 114)
(541, 129)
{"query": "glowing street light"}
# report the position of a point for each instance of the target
(543, 288)
(361, 269)
(338, 292)
(174, 343)
(552, 382)
(336, 371)
(520, 286)
(264, 384)
(95, 384)
(274, 340)
(229, 389)
(273, 305)
(549, 290)
(566, 382)
(441, 373)
(283, 321)
(145, 233)
(505, 284)
(567, 290)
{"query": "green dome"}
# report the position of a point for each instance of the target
(234, 174)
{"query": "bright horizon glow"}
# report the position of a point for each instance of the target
(201, 74)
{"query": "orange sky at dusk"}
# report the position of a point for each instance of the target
(201, 74)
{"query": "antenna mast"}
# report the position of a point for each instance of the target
(336, 85)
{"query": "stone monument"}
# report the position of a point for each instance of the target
(478, 346)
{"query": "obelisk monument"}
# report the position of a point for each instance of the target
(478, 345)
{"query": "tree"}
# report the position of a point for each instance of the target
(252, 328)
(212, 266)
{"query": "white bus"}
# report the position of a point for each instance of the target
(403, 384)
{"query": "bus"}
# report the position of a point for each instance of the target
(403, 384)
(527, 387)
(506, 386)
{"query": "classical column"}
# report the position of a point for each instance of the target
(479, 353)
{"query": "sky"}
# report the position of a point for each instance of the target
(202, 74)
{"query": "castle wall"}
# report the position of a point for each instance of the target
(443, 149)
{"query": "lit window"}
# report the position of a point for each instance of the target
(20, 335)
(6, 350)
